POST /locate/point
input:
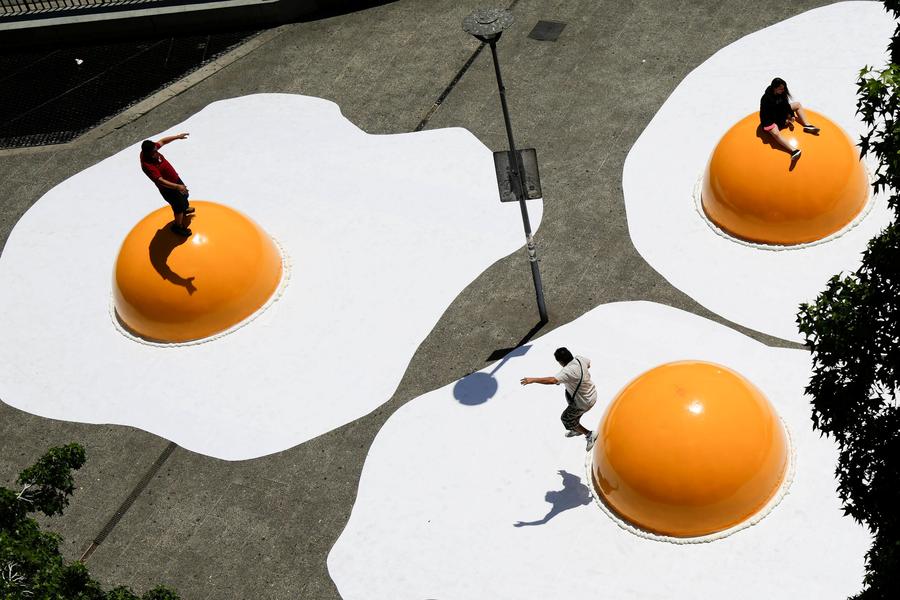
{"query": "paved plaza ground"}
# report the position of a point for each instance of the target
(263, 528)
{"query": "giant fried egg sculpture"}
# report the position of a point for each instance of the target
(459, 499)
(754, 265)
(357, 243)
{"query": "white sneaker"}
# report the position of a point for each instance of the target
(572, 433)
(591, 438)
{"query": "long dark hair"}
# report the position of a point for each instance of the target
(770, 91)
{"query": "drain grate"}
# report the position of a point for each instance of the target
(52, 97)
(547, 31)
(123, 508)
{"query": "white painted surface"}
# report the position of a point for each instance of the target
(445, 483)
(819, 53)
(383, 232)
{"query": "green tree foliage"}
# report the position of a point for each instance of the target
(31, 567)
(853, 331)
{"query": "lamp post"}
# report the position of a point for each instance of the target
(515, 170)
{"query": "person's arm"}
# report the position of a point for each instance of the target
(541, 380)
(152, 171)
(172, 138)
(766, 111)
(175, 186)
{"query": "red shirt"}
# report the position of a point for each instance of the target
(163, 168)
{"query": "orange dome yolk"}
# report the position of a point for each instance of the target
(170, 288)
(754, 191)
(689, 449)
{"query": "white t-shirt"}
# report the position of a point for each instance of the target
(569, 376)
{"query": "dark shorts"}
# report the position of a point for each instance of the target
(571, 417)
(177, 200)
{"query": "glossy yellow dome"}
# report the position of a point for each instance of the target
(170, 288)
(752, 190)
(689, 449)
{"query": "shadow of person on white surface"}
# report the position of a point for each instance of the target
(573, 495)
(161, 247)
(480, 387)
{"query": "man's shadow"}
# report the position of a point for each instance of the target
(767, 139)
(573, 495)
(161, 247)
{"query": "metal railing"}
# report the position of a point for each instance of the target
(19, 8)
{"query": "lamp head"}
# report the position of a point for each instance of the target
(486, 24)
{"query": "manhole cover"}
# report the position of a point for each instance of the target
(547, 31)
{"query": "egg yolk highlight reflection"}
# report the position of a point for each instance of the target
(169, 288)
(689, 449)
(754, 191)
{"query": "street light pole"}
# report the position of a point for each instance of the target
(487, 25)
(517, 177)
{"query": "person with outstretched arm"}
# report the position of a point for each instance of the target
(581, 395)
(163, 174)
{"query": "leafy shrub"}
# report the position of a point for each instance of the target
(30, 562)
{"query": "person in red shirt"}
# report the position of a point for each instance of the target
(170, 185)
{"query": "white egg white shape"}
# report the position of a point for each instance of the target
(382, 232)
(472, 490)
(819, 53)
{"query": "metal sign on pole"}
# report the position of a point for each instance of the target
(507, 182)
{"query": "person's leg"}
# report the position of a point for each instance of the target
(801, 116)
(180, 225)
(571, 420)
(172, 198)
(188, 209)
(178, 203)
(781, 141)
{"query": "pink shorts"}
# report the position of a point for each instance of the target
(771, 127)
